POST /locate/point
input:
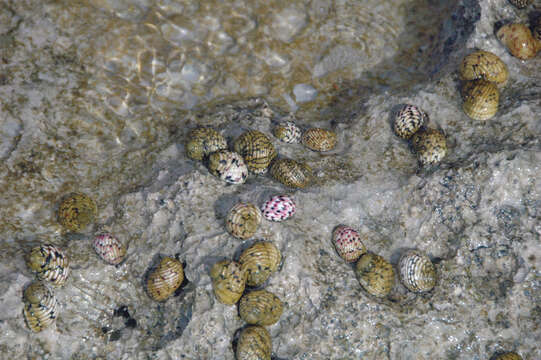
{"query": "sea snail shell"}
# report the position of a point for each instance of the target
(430, 146)
(288, 132)
(40, 307)
(518, 40)
(375, 274)
(259, 261)
(483, 65)
(409, 120)
(279, 208)
(228, 166)
(417, 272)
(521, 3)
(203, 141)
(50, 263)
(256, 149)
(254, 344)
(481, 99)
(228, 281)
(260, 307)
(109, 249)
(291, 173)
(77, 211)
(165, 279)
(319, 139)
(243, 220)
(508, 356)
(347, 243)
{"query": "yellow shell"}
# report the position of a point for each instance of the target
(243, 220)
(76, 211)
(260, 308)
(259, 261)
(228, 281)
(49, 263)
(483, 65)
(318, 139)
(254, 344)
(508, 356)
(416, 271)
(291, 173)
(518, 40)
(375, 274)
(165, 279)
(203, 141)
(40, 309)
(256, 149)
(430, 146)
(481, 99)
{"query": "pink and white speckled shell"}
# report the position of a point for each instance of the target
(109, 248)
(347, 242)
(279, 208)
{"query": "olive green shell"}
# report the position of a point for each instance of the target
(257, 150)
(518, 40)
(40, 307)
(76, 211)
(291, 173)
(49, 263)
(416, 271)
(243, 220)
(203, 141)
(521, 3)
(228, 281)
(165, 279)
(318, 139)
(254, 344)
(430, 146)
(481, 99)
(259, 261)
(483, 65)
(508, 356)
(260, 308)
(375, 274)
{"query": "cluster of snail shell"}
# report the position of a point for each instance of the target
(429, 144)
(375, 274)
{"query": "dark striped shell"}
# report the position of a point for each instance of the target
(40, 307)
(49, 263)
(243, 220)
(417, 272)
(109, 249)
(521, 3)
(228, 281)
(518, 40)
(259, 261)
(483, 65)
(508, 356)
(228, 166)
(291, 173)
(288, 132)
(203, 141)
(254, 344)
(430, 146)
(347, 243)
(279, 208)
(481, 99)
(260, 307)
(76, 211)
(409, 120)
(375, 274)
(319, 139)
(165, 279)
(256, 149)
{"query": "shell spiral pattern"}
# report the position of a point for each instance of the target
(109, 249)
(256, 149)
(259, 261)
(409, 120)
(228, 281)
(254, 344)
(288, 132)
(279, 208)
(430, 146)
(50, 263)
(203, 141)
(416, 271)
(228, 166)
(347, 243)
(165, 279)
(260, 308)
(77, 211)
(40, 307)
(291, 173)
(243, 220)
(319, 139)
(481, 99)
(375, 274)
(483, 65)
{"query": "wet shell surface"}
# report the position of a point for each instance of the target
(288, 132)
(409, 120)
(254, 344)
(481, 99)
(508, 356)
(49, 263)
(319, 139)
(243, 220)
(518, 40)
(203, 141)
(165, 279)
(259, 261)
(347, 243)
(483, 65)
(228, 166)
(417, 272)
(521, 3)
(228, 281)
(256, 149)
(40, 307)
(109, 249)
(76, 211)
(291, 173)
(260, 308)
(430, 146)
(375, 274)
(279, 208)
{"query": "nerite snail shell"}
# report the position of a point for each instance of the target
(483, 65)
(481, 99)
(228, 281)
(291, 173)
(319, 139)
(76, 211)
(409, 120)
(259, 261)
(243, 220)
(254, 344)
(109, 249)
(165, 279)
(430, 146)
(203, 141)
(347, 243)
(260, 308)
(518, 40)
(521, 3)
(288, 132)
(40, 308)
(279, 208)
(416, 271)
(256, 149)
(508, 356)
(50, 263)
(375, 274)
(228, 166)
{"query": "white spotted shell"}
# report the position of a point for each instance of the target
(40, 307)
(347, 243)
(279, 208)
(228, 166)
(50, 263)
(417, 272)
(260, 307)
(243, 220)
(109, 248)
(409, 120)
(288, 132)
(165, 279)
(254, 344)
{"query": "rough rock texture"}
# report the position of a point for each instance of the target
(97, 96)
